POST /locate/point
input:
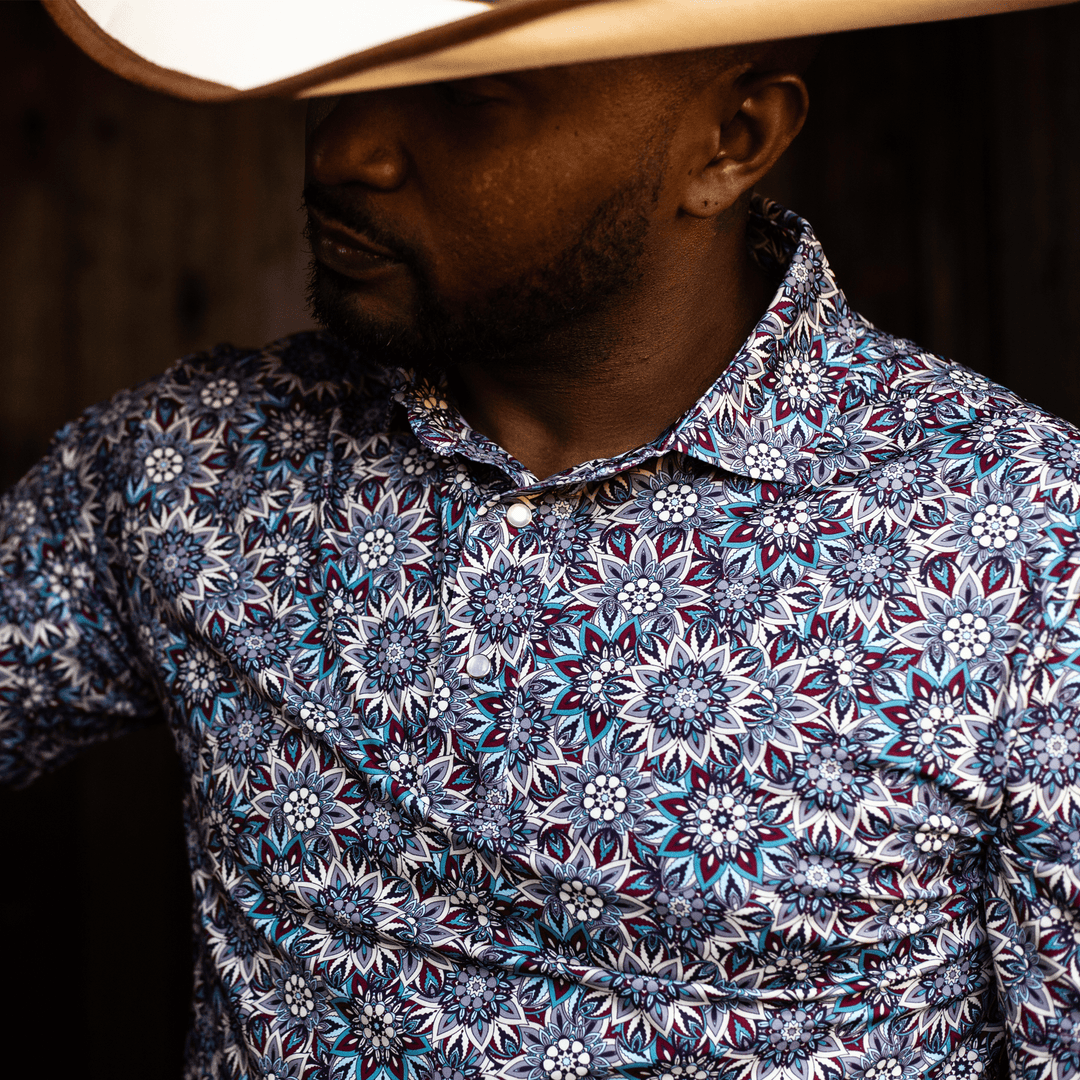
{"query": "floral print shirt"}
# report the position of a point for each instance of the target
(751, 753)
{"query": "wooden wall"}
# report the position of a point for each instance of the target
(135, 228)
(940, 167)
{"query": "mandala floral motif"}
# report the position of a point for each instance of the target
(742, 598)
(379, 544)
(606, 795)
(200, 674)
(722, 825)
(994, 524)
(793, 1036)
(175, 561)
(764, 461)
(971, 631)
(682, 705)
(323, 712)
(480, 1000)
(168, 463)
(234, 587)
(1054, 744)
(298, 999)
(288, 437)
(677, 501)
(411, 463)
(643, 589)
(786, 529)
(259, 643)
(933, 832)
(600, 677)
(518, 729)
(500, 601)
(244, 730)
(897, 487)
(301, 801)
(910, 918)
(889, 1060)
(396, 657)
(871, 568)
(833, 774)
(239, 482)
(818, 881)
(689, 915)
(382, 1027)
(564, 1051)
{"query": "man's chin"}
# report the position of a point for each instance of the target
(341, 307)
(430, 342)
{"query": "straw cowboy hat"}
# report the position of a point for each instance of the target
(220, 50)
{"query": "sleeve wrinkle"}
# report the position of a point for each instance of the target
(67, 679)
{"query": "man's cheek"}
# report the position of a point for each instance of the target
(475, 263)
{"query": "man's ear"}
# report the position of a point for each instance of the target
(757, 115)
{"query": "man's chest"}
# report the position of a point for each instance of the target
(665, 707)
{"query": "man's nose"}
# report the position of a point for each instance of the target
(358, 142)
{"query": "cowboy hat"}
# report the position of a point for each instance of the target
(220, 50)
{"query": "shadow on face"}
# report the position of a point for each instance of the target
(478, 217)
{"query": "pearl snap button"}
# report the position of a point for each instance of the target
(478, 665)
(519, 515)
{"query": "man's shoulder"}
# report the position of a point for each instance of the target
(310, 367)
(938, 450)
(228, 388)
(162, 434)
(915, 400)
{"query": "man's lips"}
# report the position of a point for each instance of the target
(347, 252)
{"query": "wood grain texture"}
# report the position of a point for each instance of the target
(134, 228)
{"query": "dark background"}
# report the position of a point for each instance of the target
(940, 166)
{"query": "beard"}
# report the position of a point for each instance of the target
(508, 326)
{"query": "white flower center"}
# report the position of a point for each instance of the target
(604, 797)
(583, 902)
(675, 503)
(995, 526)
(567, 1059)
(163, 464)
(302, 810)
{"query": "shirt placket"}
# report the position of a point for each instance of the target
(476, 651)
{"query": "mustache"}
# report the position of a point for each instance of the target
(329, 202)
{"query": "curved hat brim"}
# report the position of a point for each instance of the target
(220, 50)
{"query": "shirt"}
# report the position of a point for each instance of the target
(751, 753)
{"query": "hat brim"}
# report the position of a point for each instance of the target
(221, 50)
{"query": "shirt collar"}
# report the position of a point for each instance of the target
(782, 411)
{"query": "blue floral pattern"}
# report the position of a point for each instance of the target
(753, 753)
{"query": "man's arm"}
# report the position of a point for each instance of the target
(1033, 911)
(69, 674)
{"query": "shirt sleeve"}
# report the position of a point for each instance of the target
(1033, 910)
(68, 670)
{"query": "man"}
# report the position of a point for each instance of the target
(603, 654)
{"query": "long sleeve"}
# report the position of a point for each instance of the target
(68, 669)
(1033, 912)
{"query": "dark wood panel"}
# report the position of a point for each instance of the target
(135, 229)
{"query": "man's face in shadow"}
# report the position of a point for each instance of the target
(500, 208)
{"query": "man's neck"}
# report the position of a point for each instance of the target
(614, 381)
